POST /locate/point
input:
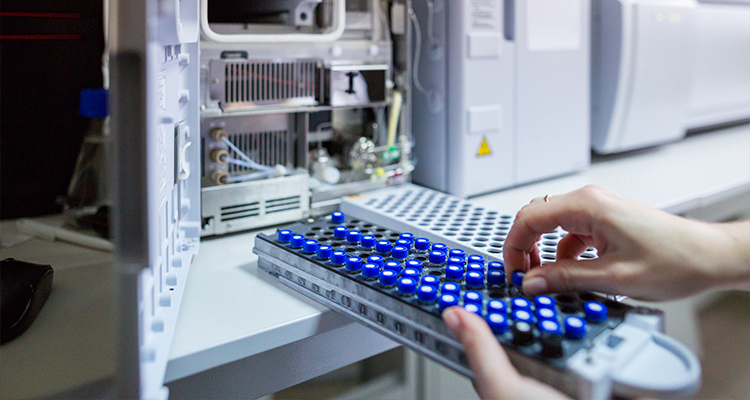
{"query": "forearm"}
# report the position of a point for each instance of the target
(735, 261)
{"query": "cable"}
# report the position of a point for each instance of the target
(248, 162)
(417, 53)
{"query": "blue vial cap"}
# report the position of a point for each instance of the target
(497, 306)
(454, 272)
(353, 264)
(475, 267)
(517, 278)
(388, 277)
(407, 236)
(575, 328)
(456, 261)
(595, 311)
(549, 326)
(393, 266)
(495, 277)
(476, 258)
(353, 237)
(474, 279)
(338, 257)
(370, 270)
(284, 236)
(472, 296)
(437, 257)
(422, 244)
(546, 313)
(416, 264)
(337, 217)
(94, 103)
(324, 252)
(400, 252)
(451, 288)
(339, 232)
(427, 293)
(297, 241)
(497, 322)
(523, 316)
(473, 308)
(310, 246)
(440, 247)
(403, 243)
(376, 259)
(496, 265)
(519, 303)
(457, 253)
(431, 280)
(410, 273)
(407, 286)
(383, 246)
(544, 302)
(368, 241)
(447, 300)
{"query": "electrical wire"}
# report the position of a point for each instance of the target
(417, 53)
(248, 162)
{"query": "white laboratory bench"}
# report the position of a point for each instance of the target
(241, 335)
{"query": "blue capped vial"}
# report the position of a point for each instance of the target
(575, 328)
(297, 241)
(475, 267)
(368, 241)
(388, 277)
(476, 258)
(473, 308)
(544, 302)
(393, 266)
(407, 286)
(472, 296)
(376, 259)
(407, 236)
(310, 246)
(474, 279)
(427, 294)
(400, 252)
(496, 265)
(437, 257)
(337, 217)
(546, 313)
(383, 247)
(519, 303)
(403, 243)
(431, 280)
(595, 312)
(517, 278)
(523, 316)
(454, 272)
(447, 300)
(324, 252)
(353, 237)
(440, 247)
(338, 257)
(450, 288)
(416, 264)
(495, 277)
(353, 264)
(370, 271)
(457, 253)
(497, 306)
(284, 235)
(498, 322)
(340, 232)
(422, 244)
(549, 326)
(456, 261)
(410, 273)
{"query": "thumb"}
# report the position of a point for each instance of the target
(568, 275)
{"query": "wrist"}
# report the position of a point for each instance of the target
(733, 259)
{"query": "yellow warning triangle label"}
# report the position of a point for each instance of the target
(484, 149)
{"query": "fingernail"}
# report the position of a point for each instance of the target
(535, 285)
(450, 318)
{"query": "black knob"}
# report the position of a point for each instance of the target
(522, 333)
(552, 345)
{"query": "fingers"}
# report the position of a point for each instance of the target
(495, 377)
(569, 275)
(570, 247)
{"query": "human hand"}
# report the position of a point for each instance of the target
(644, 253)
(495, 377)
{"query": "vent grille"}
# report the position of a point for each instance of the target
(267, 148)
(263, 83)
(230, 213)
(282, 204)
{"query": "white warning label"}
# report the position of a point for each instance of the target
(486, 14)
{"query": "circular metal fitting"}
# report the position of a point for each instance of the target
(219, 155)
(219, 134)
(220, 177)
